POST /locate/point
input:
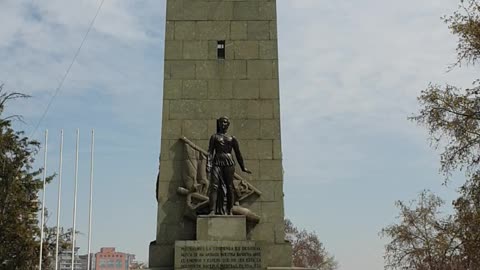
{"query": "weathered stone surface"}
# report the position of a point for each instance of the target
(218, 107)
(238, 30)
(258, 149)
(246, 49)
(195, 50)
(246, 89)
(248, 129)
(275, 69)
(268, 49)
(233, 69)
(207, 70)
(266, 108)
(270, 129)
(276, 110)
(260, 69)
(171, 129)
(220, 10)
(172, 89)
(195, 89)
(188, 109)
(271, 170)
(272, 211)
(169, 31)
(263, 232)
(220, 89)
(180, 69)
(269, 89)
(195, 10)
(170, 171)
(279, 231)
(245, 109)
(161, 255)
(221, 228)
(174, 10)
(236, 69)
(267, 10)
(195, 129)
(246, 10)
(171, 150)
(185, 30)
(273, 29)
(173, 49)
(276, 257)
(277, 149)
(213, 30)
(271, 190)
(258, 30)
(254, 166)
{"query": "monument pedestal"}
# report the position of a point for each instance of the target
(221, 244)
(221, 255)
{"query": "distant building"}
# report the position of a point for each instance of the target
(83, 260)
(109, 259)
(65, 260)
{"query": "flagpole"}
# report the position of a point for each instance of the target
(59, 202)
(75, 200)
(42, 218)
(92, 146)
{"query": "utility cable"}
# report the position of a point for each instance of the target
(59, 87)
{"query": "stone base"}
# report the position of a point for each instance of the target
(276, 255)
(160, 256)
(273, 256)
(290, 268)
(221, 244)
(221, 255)
(221, 228)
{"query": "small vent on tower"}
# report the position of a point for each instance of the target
(221, 49)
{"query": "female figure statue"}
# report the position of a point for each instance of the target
(221, 168)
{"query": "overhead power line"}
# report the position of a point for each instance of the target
(59, 87)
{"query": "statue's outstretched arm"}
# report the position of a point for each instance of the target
(238, 155)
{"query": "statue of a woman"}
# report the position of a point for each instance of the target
(221, 168)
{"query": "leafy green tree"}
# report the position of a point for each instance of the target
(307, 250)
(20, 185)
(423, 239)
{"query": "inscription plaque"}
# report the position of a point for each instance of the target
(217, 255)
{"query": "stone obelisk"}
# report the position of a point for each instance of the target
(221, 58)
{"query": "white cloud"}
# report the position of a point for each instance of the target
(42, 37)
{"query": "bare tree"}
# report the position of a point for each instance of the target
(308, 251)
(423, 239)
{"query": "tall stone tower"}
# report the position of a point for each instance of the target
(221, 58)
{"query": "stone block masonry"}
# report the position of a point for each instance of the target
(198, 88)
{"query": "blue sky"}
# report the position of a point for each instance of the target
(350, 72)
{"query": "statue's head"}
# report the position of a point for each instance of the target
(222, 124)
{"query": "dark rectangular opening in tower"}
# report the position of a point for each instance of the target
(221, 49)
